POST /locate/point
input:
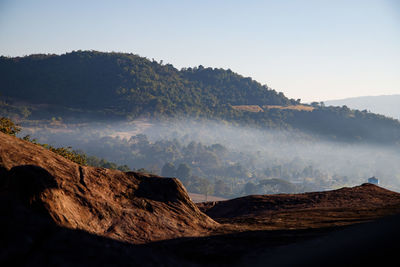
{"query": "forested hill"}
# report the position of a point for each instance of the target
(90, 85)
(127, 83)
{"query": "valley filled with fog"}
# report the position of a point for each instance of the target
(218, 158)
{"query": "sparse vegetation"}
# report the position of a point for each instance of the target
(292, 107)
(7, 126)
(250, 108)
(66, 152)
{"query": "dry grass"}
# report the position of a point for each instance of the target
(256, 108)
(292, 107)
(340, 207)
(250, 108)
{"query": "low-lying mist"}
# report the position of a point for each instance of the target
(217, 158)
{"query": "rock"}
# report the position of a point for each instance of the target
(130, 207)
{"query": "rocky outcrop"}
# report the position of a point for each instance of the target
(131, 207)
(343, 206)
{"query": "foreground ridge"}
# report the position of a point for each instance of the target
(55, 212)
(343, 206)
(132, 207)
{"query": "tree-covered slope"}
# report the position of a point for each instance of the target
(127, 83)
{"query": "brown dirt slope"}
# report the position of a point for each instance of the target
(132, 207)
(309, 210)
(293, 107)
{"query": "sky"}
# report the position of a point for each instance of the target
(314, 50)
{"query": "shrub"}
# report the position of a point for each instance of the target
(7, 126)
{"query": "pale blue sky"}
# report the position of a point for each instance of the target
(313, 50)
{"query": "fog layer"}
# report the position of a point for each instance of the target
(228, 160)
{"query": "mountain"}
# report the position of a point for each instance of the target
(127, 83)
(388, 105)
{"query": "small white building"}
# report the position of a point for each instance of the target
(373, 180)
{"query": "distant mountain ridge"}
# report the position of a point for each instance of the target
(388, 105)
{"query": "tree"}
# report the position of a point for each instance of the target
(205, 187)
(315, 104)
(273, 186)
(7, 126)
(250, 188)
(183, 171)
(221, 188)
(168, 170)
